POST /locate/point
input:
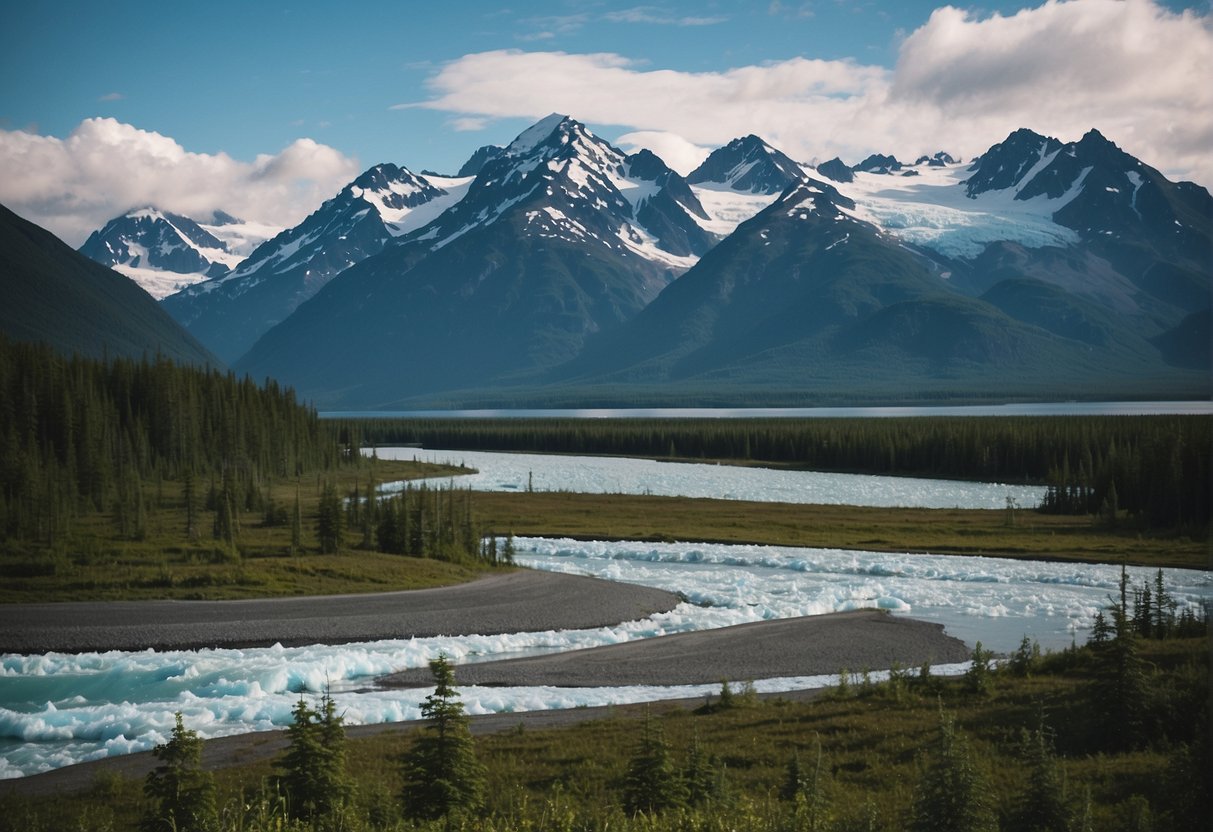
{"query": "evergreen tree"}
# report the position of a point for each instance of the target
(1042, 806)
(296, 526)
(978, 676)
(441, 774)
(952, 795)
(1119, 692)
(809, 792)
(701, 775)
(1025, 659)
(329, 517)
(652, 783)
(182, 794)
(314, 779)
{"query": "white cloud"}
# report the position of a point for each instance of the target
(72, 186)
(659, 16)
(674, 150)
(112, 96)
(1132, 69)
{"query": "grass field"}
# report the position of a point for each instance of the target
(1024, 534)
(168, 563)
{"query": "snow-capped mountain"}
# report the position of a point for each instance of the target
(748, 164)
(54, 295)
(814, 294)
(559, 236)
(164, 252)
(575, 186)
(1083, 216)
(230, 312)
(738, 180)
(1042, 265)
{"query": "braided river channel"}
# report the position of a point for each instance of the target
(57, 709)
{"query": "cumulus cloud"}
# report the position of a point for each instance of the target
(72, 186)
(674, 150)
(1131, 68)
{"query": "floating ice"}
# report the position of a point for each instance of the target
(614, 475)
(59, 709)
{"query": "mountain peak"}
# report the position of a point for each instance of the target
(539, 132)
(748, 164)
(479, 159)
(1009, 162)
(146, 241)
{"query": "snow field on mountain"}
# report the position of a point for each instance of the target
(403, 220)
(728, 208)
(159, 283)
(931, 210)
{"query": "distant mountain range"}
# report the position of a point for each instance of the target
(561, 269)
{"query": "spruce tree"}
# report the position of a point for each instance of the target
(182, 794)
(1042, 806)
(314, 779)
(952, 795)
(329, 520)
(701, 775)
(441, 774)
(652, 783)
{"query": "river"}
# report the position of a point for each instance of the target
(59, 709)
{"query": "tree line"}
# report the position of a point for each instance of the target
(1154, 470)
(79, 436)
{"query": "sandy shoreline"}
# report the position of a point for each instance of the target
(521, 601)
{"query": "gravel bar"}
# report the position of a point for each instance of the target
(810, 646)
(520, 601)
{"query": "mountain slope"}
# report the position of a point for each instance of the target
(230, 312)
(53, 294)
(561, 235)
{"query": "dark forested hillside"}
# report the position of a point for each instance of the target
(50, 293)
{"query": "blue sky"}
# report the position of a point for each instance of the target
(337, 88)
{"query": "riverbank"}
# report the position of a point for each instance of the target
(814, 645)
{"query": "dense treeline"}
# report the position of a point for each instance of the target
(1155, 469)
(80, 436)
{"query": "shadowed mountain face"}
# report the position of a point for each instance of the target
(56, 295)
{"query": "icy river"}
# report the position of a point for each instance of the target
(58, 709)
